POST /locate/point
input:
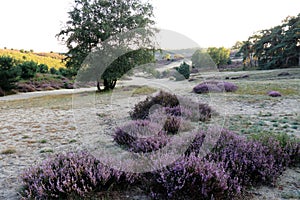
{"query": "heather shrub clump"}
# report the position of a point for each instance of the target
(249, 161)
(141, 136)
(191, 178)
(215, 86)
(285, 148)
(71, 174)
(169, 104)
(164, 99)
(274, 94)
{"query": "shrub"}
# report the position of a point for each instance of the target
(54, 71)
(191, 178)
(285, 148)
(149, 144)
(140, 136)
(71, 174)
(227, 86)
(29, 69)
(184, 70)
(8, 73)
(42, 68)
(164, 99)
(191, 111)
(274, 94)
(170, 105)
(66, 72)
(214, 86)
(250, 162)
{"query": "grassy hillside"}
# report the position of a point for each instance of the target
(49, 59)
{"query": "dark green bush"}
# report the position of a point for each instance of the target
(9, 73)
(184, 70)
(42, 68)
(66, 72)
(29, 69)
(54, 71)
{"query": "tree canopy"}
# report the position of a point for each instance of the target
(92, 22)
(221, 56)
(276, 47)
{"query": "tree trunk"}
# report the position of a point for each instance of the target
(107, 85)
(299, 61)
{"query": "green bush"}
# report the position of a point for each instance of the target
(66, 72)
(9, 73)
(42, 68)
(184, 70)
(54, 71)
(29, 69)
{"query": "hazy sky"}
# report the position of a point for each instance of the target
(33, 24)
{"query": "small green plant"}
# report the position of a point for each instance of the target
(46, 151)
(72, 141)
(43, 141)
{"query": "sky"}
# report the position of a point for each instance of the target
(33, 24)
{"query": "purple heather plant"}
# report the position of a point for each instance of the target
(71, 174)
(191, 178)
(172, 105)
(164, 99)
(146, 145)
(141, 136)
(284, 147)
(274, 94)
(214, 86)
(249, 161)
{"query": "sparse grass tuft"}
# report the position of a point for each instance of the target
(144, 90)
(10, 150)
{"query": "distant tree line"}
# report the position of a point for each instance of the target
(13, 70)
(277, 47)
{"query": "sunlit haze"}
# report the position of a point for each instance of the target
(33, 24)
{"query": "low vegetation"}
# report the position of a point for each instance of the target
(27, 76)
(50, 59)
(235, 163)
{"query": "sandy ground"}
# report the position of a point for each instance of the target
(35, 125)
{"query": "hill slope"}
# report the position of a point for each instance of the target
(49, 59)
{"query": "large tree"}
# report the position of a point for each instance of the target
(276, 47)
(93, 22)
(202, 60)
(221, 56)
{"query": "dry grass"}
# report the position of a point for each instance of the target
(9, 150)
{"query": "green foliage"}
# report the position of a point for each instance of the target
(277, 47)
(54, 71)
(66, 72)
(9, 73)
(42, 68)
(126, 62)
(237, 45)
(219, 55)
(201, 59)
(29, 69)
(93, 22)
(184, 70)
